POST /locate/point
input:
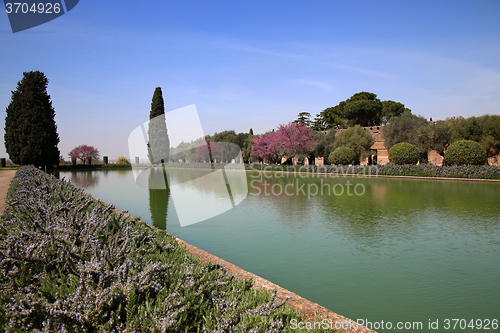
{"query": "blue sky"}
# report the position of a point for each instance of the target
(252, 64)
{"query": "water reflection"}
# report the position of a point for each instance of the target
(285, 195)
(158, 198)
(84, 178)
(122, 173)
(388, 210)
(207, 194)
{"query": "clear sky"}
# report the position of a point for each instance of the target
(252, 64)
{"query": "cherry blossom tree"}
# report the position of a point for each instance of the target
(295, 139)
(290, 140)
(84, 153)
(265, 147)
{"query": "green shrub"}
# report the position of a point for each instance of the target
(403, 153)
(342, 156)
(357, 138)
(465, 152)
(122, 160)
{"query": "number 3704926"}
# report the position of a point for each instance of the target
(35, 8)
(485, 324)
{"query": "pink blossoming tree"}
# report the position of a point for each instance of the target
(84, 153)
(289, 140)
(265, 147)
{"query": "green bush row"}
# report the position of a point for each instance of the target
(422, 170)
(70, 263)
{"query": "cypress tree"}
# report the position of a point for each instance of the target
(158, 144)
(30, 129)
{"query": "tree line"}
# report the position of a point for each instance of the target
(334, 127)
(31, 132)
(399, 125)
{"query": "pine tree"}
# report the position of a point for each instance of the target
(159, 144)
(30, 129)
(304, 118)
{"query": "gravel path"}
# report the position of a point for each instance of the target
(5, 179)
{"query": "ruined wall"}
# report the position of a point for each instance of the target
(435, 158)
(379, 145)
(382, 151)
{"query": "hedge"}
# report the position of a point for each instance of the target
(422, 170)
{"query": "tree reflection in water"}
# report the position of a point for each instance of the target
(158, 198)
(84, 178)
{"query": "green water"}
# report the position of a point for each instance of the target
(394, 250)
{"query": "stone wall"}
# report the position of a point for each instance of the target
(495, 160)
(435, 158)
(379, 145)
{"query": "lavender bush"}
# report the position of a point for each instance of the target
(422, 170)
(69, 263)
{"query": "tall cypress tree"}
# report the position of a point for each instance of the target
(30, 129)
(158, 142)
